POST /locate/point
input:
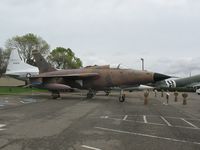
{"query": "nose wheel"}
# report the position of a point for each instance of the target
(55, 94)
(122, 96)
(107, 92)
(91, 94)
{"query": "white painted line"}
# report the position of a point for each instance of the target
(157, 124)
(147, 135)
(2, 129)
(189, 123)
(26, 102)
(89, 147)
(106, 117)
(186, 127)
(154, 116)
(181, 117)
(2, 125)
(102, 117)
(136, 121)
(145, 119)
(125, 117)
(165, 121)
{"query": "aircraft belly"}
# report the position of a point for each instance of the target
(100, 83)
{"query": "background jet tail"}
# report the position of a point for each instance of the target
(41, 63)
(16, 65)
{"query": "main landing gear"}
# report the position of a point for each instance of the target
(107, 92)
(122, 96)
(91, 93)
(55, 94)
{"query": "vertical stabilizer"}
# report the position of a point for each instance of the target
(16, 67)
(42, 64)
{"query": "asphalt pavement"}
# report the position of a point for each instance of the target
(36, 122)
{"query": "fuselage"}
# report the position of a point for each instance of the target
(182, 82)
(22, 75)
(106, 78)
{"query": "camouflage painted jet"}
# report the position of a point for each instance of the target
(90, 78)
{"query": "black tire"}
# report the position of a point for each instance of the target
(107, 93)
(122, 98)
(89, 96)
(55, 96)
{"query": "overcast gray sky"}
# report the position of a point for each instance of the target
(166, 33)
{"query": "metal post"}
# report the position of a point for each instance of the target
(142, 59)
(146, 94)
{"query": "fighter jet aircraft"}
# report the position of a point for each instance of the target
(18, 69)
(192, 82)
(91, 79)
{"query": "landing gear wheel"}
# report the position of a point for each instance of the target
(55, 95)
(90, 95)
(122, 98)
(107, 93)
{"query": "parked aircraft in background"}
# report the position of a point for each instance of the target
(18, 69)
(92, 79)
(192, 82)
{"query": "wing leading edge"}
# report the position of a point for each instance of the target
(78, 76)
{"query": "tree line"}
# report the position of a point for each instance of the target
(60, 57)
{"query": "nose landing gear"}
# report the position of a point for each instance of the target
(122, 96)
(91, 94)
(55, 94)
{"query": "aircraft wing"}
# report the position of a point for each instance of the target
(134, 88)
(68, 76)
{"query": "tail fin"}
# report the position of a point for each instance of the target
(41, 63)
(17, 67)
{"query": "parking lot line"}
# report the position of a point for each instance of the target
(125, 117)
(89, 147)
(146, 135)
(189, 123)
(150, 123)
(170, 117)
(2, 125)
(145, 119)
(165, 121)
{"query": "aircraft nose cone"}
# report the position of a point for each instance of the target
(160, 77)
